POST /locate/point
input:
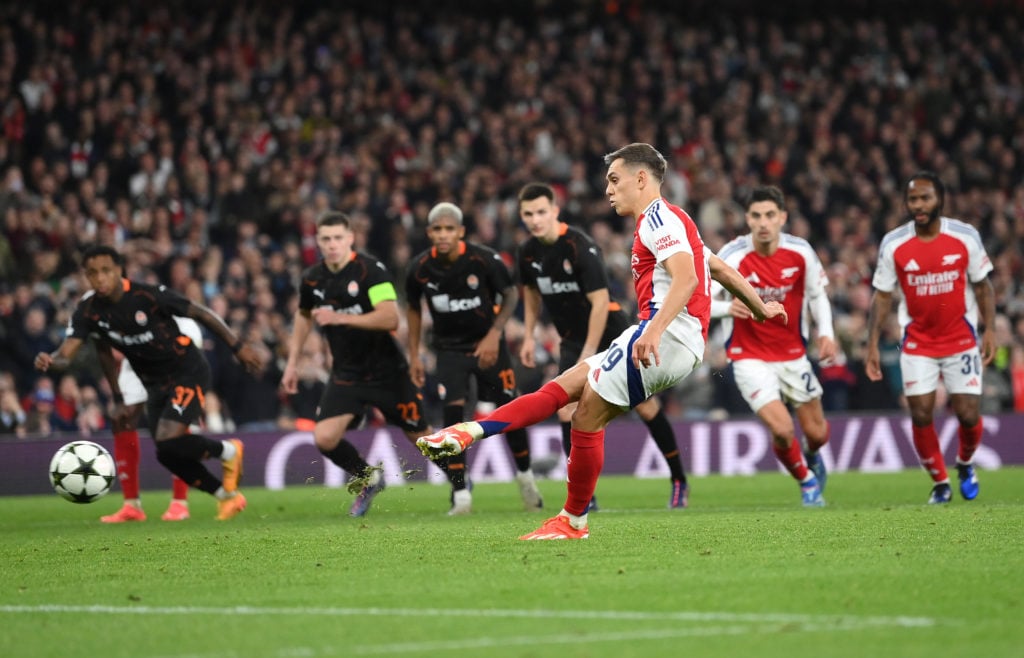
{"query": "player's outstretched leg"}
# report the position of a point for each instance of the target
(448, 441)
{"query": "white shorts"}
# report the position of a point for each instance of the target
(130, 384)
(760, 382)
(614, 377)
(961, 373)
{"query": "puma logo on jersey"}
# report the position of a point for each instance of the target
(911, 266)
(433, 286)
(319, 293)
(179, 408)
(949, 259)
(537, 266)
(789, 271)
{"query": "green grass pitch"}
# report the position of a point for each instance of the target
(746, 571)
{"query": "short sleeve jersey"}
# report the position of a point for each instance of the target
(791, 276)
(664, 230)
(937, 311)
(461, 295)
(564, 273)
(142, 326)
(358, 354)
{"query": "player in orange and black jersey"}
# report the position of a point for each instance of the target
(462, 285)
(561, 267)
(138, 320)
(351, 297)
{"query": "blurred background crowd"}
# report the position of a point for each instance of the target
(202, 140)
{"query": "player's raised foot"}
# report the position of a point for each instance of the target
(557, 527)
(968, 481)
(176, 511)
(680, 497)
(373, 486)
(233, 467)
(126, 514)
(810, 493)
(229, 508)
(446, 442)
(529, 491)
(942, 493)
(816, 463)
(462, 503)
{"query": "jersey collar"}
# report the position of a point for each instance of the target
(462, 249)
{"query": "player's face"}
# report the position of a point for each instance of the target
(765, 220)
(335, 244)
(445, 234)
(540, 216)
(623, 189)
(104, 275)
(922, 201)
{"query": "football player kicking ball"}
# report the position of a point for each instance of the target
(941, 268)
(138, 320)
(126, 439)
(672, 271)
(769, 360)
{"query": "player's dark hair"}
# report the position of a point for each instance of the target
(333, 218)
(640, 155)
(924, 174)
(533, 191)
(766, 193)
(102, 250)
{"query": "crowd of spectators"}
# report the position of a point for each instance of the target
(202, 140)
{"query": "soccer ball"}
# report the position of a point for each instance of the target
(82, 471)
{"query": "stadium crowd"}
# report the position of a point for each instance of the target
(203, 141)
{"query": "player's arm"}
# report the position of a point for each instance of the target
(487, 349)
(60, 358)
(383, 316)
(246, 354)
(720, 303)
(683, 282)
(598, 320)
(820, 308)
(986, 298)
(302, 324)
(414, 318)
(531, 311)
(741, 289)
(881, 304)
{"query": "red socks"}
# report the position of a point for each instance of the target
(126, 456)
(970, 439)
(585, 463)
(525, 410)
(179, 489)
(792, 459)
(926, 442)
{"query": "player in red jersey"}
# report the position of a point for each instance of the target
(941, 269)
(672, 271)
(770, 360)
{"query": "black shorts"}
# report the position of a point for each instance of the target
(569, 352)
(181, 400)
(398, 399)
(496, 384)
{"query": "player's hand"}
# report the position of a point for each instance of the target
(827, 349)
(121, 415)
(251, 358)
(43, 361)
(290, 380)
(325, 315)
(988, 346)
(872, 364)
(417, 372)
(774, 310)
(527, 353)
(645, 350)
(486, 350)
(739, 310)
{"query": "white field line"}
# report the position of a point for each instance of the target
(612, 615)
(729, 623)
